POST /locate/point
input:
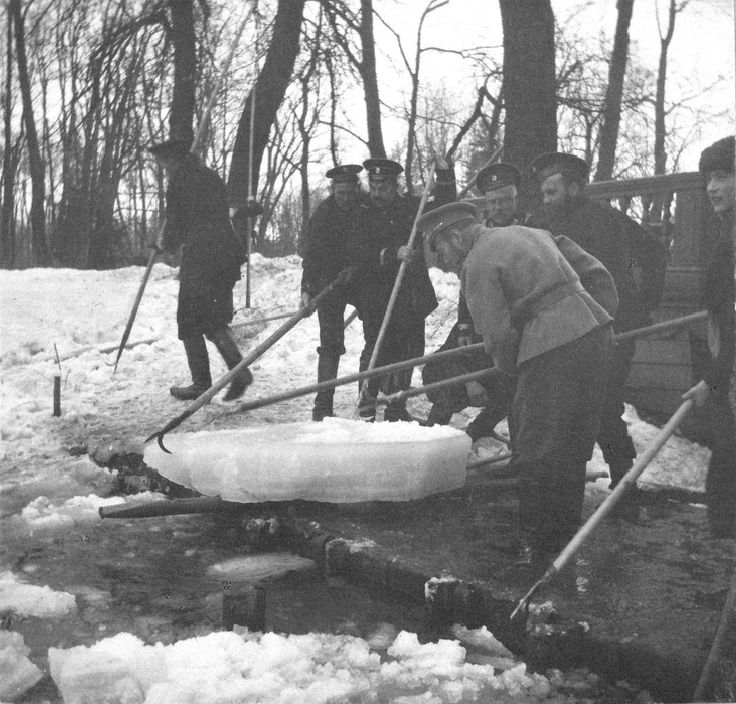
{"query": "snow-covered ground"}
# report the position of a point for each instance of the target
(47, 477)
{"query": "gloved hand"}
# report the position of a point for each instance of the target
(699, 393)
(306, 299)
(406, 254)
(476, 393)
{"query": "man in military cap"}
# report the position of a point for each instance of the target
(324, 257)
(716, 391)
(499, 183)
(377, 248)
(598, 230)
(543, 307)
(197, 220)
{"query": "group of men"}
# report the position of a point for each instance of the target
(366, 231)
(543, 292)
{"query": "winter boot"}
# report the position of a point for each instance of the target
(199, 367)
(439, 414)
(228, 348)
(323, 401)
(482, 426)
(396, 411)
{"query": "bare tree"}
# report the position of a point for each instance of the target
(660, 128)
(345, 25)
(10, 161)
(612, 109)
(185, 69)
(528, 85)
(41, 252)
(268, 94)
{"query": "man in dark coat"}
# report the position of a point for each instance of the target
(543, 307)
(499, 183)
(377, 248)
(717, 390)
(197, 220)
(325, 256)
(568, 211)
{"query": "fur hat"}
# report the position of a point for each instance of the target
(550, 163)
(719, 156)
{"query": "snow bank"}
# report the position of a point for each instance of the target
(274, 669)
(338, 460)
(23, 599)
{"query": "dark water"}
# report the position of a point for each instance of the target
(149, 577)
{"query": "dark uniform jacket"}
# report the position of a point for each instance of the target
(372, 248)
(718, 298)
(197, 218)
(600, 234)
(325, 249)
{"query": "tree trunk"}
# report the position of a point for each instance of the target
(660, 130)
(185, 70)
(368, 73)
(612, 106)
(529, 86)
(268, 95)
(41, 253)
(10, 162)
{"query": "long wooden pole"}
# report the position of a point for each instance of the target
(351, 378)
(629, 480)
(664, 326)
(195, 144)
(399, 278)
(416, 361)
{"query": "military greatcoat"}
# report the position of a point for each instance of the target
(197, 218)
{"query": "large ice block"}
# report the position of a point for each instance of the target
(336, 461)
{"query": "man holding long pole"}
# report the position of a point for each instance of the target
(197, 220)
(377, 248)
(717, 168)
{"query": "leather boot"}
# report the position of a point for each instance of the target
(438, 415)
(199, 367)
(228, 349)
(323, 401)
(396, 411)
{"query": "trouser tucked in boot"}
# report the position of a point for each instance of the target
(199, 367)
(228, 348)
(326, 371)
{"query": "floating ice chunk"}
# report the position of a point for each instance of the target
(481, 638)
(41, 513)
(264, 566)
(31, 600)
(17, 672)
(280, 669)
(339, 461)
